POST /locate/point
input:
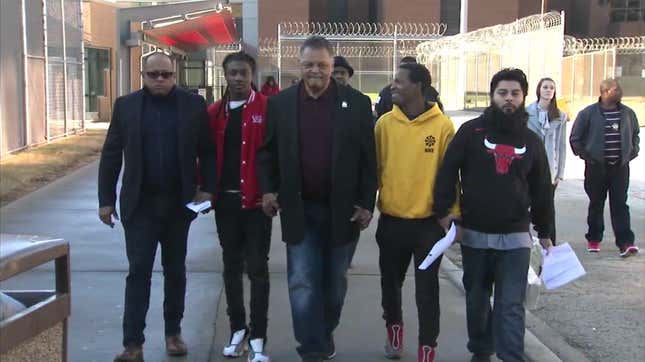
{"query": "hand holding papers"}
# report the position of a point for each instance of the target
(438, 248)
(197, 208)
(561, 266)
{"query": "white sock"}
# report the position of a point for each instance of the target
(238, 336)
(257, 345)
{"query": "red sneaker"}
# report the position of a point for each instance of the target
(593, 246)
(628, 250)
(426, 354)
(394, 343)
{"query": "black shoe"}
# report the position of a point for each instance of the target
(331, 351)
(480, 357)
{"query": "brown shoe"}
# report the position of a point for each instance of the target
(175, 346)
(130, 354)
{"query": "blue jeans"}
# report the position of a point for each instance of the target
(317, 280)
(501, 328)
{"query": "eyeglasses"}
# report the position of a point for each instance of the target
(156, 74)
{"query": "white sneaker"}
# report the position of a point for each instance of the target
(237, 346)
(256, 352)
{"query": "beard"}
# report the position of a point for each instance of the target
(504, 122)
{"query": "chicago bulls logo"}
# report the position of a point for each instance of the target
(504, 155)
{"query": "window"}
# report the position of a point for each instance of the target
(627, 10)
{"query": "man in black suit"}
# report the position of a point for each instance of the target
(317, 167)
(160, 132)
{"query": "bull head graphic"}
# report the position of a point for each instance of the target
(504, 155)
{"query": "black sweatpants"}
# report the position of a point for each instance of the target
(245, 237)
(399, 240)
(601, 179)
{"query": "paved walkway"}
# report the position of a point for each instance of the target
(67, 209)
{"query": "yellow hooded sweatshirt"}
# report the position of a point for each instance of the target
(408, 155)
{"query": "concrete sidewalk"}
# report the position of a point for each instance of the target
(67, 209)
(360, 337)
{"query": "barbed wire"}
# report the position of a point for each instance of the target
(623, 45)
(269, 48)
(489, 36)
(303, 29)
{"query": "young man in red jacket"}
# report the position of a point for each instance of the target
(238, 125)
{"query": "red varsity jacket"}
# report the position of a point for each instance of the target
(253, 128)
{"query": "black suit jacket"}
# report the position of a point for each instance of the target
(124, 144)
(353, 162)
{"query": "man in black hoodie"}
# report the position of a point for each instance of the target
(505, 183)
(384, 101)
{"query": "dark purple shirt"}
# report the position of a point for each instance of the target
(315, 131)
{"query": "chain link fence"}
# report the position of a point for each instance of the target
(462, 65)
(588, 61)
(373, 50)
(42, 72)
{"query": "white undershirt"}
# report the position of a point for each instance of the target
(235, 104)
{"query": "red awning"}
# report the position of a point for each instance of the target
(196, 34)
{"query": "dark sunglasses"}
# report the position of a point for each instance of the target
(155, 74)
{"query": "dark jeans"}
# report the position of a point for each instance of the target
(163, 220)
(317, 280)
(245, 236)
(502, 328)
(399, 240)
(601, 179)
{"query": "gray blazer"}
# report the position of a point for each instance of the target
(554, 135)
(587, 137)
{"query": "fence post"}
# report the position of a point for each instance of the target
(591, 76)
(82, 113)
(279, 57)
(25, 73)
(394, 51)
(62, 12)
(47, 135)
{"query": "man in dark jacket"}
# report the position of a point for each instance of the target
(384, 100)
(342, 70)
(505, 185)
(317, 167)
(605, 136)
(160, 132)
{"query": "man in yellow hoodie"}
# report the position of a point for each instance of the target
(411, 141)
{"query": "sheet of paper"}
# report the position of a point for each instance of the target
(532, 277)
(561, 266)
(438, 248)
(197, 208)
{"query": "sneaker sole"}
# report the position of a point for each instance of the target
(329, 357)
(629, 253)
(249, 359)
(393, 355)
(236, 354)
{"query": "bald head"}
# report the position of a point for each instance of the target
(610, 92)
(157, 57)
(607, 83)
(158, 73)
